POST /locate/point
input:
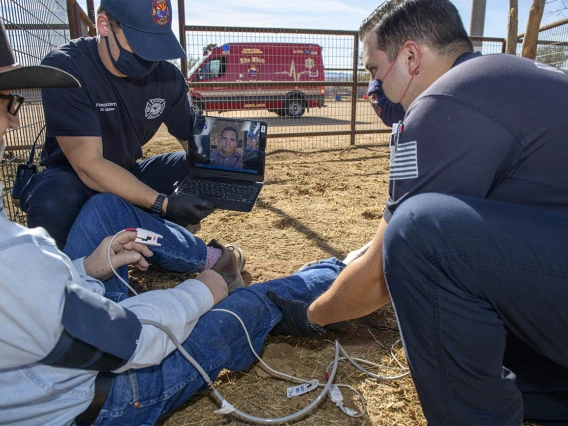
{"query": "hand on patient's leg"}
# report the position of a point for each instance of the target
(215, 283)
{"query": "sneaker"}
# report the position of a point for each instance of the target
(230, 264)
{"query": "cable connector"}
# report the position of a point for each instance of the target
(302, 389)
(335, 395)
(226, 408)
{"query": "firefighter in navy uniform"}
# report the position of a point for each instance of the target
(95, 134)
(475, 254)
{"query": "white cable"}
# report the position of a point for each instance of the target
(394, 356)
(280, 374)
(368, 373)
(222, 400)
(364, 361)
(274, 372)
(110, 262)
(227, 408)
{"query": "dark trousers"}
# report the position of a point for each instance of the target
(480, 290)
(54, 197)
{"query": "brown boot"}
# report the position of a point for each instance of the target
(230, 264)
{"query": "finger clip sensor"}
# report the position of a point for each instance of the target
(148, 238)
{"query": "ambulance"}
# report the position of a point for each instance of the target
(259, 62)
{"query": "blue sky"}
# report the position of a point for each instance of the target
(326, 14)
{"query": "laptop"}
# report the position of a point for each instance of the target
(226, 161)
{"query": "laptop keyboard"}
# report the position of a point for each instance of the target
(221, 190)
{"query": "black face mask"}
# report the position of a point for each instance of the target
(129, 64)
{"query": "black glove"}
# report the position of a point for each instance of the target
(294, 320)
(187, 208)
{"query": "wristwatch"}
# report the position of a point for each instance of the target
(156, 208)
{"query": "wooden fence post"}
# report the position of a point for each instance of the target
(74, 19)
(182, 38)
(92, 16)
(530, 40)
(512, 27)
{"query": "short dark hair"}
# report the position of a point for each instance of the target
(114, 24)
(436, 23)
(232, 129)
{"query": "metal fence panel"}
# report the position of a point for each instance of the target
(312, 96)
(264, 72)
(236, 72)
(34, 28)
(552, 47)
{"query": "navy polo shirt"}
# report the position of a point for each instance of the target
(493, 127)
(124, 112)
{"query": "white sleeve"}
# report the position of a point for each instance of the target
(33, 278)
(177, 308)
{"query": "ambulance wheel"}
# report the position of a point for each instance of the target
(281, 112)
(295, 108)
(197, 107)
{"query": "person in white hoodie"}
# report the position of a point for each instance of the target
(73, 349)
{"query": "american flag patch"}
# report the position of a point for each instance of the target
(404, 161)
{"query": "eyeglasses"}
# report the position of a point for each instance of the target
(15, 102)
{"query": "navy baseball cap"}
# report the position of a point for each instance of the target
(14, 76)
(147, 25)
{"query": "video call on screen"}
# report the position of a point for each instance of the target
(227, 144)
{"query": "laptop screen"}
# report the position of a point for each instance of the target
(229, 145)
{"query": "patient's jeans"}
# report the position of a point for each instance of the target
(217, 342)
(105, 214)
(53, 198)
(142, 397)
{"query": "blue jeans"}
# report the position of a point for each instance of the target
(480, 290)
(105, 214)
(216, 342)
(53, 198)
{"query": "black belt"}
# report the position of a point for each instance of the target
(103, 383)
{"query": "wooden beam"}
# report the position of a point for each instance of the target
(528, 49)
(548, 26)
(512, 27)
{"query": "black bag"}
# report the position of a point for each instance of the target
(25, 171)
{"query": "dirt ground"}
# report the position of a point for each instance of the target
(315, 204)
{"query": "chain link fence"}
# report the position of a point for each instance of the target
(552, 47)
(34, 28)
(308, 85)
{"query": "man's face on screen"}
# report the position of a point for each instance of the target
(228, 142)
